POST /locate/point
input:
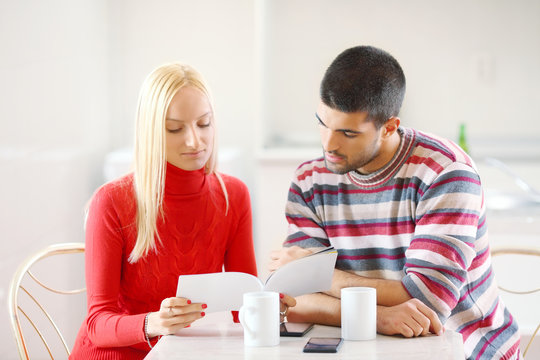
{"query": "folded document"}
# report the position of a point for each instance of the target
(224, 291)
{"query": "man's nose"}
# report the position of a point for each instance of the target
(329, 140)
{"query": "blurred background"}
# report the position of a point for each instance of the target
(70, 72)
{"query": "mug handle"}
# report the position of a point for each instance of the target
(241, 317)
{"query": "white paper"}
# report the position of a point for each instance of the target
(310, 274)
(220, 291)
(224, 291)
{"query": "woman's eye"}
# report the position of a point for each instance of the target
(174, 131)
(204, 125)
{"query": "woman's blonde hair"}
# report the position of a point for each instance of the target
(150, 161)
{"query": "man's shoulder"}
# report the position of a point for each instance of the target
(311, 168)
(439, 149)
(313, 163)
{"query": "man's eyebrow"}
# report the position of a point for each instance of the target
(342, 130)
(318, 118)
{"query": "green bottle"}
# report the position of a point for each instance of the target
(462, 142)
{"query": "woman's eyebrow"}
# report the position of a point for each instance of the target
(200, 117)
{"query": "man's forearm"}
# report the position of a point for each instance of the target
(316, 308)
(389, 292)
(409, 319)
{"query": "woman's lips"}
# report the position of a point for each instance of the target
(193, 154)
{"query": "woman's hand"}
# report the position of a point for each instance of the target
(286, 302)
(174, 314)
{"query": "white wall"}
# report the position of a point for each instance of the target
(465, 61)
(54, 116)
(70, 72)
(217, 37)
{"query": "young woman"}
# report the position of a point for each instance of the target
(173, 215)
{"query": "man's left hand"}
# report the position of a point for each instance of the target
(280, 257)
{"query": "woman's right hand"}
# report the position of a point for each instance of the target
(174, 314)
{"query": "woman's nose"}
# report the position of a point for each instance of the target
(192, 137)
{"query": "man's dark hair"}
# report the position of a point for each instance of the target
(364, 78)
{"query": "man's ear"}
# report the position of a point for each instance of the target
(390, 126)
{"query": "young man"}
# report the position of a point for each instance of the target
(404, 209)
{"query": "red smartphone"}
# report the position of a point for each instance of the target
(323, 345)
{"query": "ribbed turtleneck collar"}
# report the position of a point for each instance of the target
(183, 182)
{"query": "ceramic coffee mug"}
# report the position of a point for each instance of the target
(259, 316)
(358, 313)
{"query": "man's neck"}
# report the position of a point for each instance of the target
(388, 149)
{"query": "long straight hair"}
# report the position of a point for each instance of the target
(150, 158)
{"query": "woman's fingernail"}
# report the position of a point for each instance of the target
(202, 313)
(281, 296)
(189, 302)
(204, 306)
(188, 325)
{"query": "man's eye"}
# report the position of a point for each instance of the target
(350, 135)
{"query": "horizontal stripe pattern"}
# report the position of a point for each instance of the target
(420, 219)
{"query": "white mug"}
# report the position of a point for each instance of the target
(358, 313)
(259, 316)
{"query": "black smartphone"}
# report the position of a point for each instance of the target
(294, 329)
(323, 345)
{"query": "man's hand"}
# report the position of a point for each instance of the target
(280, 257)
(411, 318)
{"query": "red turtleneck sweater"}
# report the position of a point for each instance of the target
(197, 237)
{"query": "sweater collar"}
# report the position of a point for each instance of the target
(183, 182)
(383, 175)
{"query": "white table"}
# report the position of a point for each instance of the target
(225, 340)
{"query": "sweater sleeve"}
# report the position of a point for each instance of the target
(106, 325)
(442, 248)
(305, 225)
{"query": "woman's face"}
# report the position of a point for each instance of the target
(189, 129)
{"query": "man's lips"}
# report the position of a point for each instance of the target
(333, 157)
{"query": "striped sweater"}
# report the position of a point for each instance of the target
(420, 219)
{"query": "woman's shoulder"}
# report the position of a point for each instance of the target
(237, 190)
(232, 181)
(115, 190)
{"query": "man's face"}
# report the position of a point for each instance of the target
(350, 142)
